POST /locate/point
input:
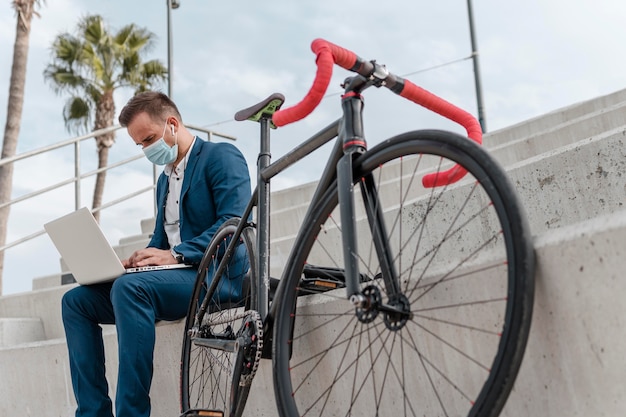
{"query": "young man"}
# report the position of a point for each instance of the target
(202, 185)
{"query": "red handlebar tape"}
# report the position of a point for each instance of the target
(328, 54)
(450, 111)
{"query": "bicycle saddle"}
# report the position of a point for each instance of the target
(266, 108)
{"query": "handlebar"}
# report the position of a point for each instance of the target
(328, 54)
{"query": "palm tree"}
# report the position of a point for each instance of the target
(24, 9)
(91, 65)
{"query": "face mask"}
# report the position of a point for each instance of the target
(160, 153)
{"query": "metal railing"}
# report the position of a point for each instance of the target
(78, 176)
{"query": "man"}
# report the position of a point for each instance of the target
(202, 185)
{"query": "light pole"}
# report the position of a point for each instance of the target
(171, 4)
(479, 94)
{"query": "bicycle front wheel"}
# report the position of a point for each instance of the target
(447, 339)
(221, 342)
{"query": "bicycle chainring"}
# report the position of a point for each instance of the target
(250, 338)
(368, 314)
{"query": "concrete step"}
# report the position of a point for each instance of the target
(557, 117)
(573, 183)
(142, 239)
(47, 281)
(590, 125)
(43, 305)
(17, 331)
(578, 306)
(41, 369)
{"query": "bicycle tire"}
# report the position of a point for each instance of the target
(465, 260)
(208, 376)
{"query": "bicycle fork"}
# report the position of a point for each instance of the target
(369, 301)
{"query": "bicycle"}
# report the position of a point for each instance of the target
(408, 289)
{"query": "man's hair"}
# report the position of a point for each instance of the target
(157, 105)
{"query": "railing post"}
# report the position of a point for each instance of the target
(77, 196)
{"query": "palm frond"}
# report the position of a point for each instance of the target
(77, 114)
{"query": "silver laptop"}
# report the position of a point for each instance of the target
(86, 251)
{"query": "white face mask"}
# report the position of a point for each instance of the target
(160, 153)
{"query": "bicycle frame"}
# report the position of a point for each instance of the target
(350, 143)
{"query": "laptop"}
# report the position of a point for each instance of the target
(86, 251)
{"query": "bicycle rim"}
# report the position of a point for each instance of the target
(208, 374)
(465, 264)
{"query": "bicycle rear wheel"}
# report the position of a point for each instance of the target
(464, 262)
(227, 332)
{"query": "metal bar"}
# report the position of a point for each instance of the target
(76, 179)
(22, 240)
(124, 198)
(348, 224)
(58, 145)
(302, 150)
(263, 220)
(108, 167)
(218, 344)
(211, 133)
(479, 95)
(38, 192)
(41, 232)
(170, 48)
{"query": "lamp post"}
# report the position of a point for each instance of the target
(479, 94)
(171, 4)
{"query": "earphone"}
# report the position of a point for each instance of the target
(172, 126)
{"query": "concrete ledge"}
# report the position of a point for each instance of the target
(47, 281)
(43, 305)
(15, 331)
(557, 117)
(574, 363)
(588, 126)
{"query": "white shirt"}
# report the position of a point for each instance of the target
(172, 207)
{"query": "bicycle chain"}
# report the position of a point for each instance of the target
(252, 358)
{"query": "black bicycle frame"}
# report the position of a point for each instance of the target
(350, 144)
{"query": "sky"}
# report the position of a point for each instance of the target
(535, 57)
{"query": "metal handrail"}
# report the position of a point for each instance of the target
(78, 176)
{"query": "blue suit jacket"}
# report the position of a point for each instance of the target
(216, 187)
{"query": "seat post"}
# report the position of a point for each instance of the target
(263, 218)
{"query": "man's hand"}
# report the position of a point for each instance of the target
(149, 256)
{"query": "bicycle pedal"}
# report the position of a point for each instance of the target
(321, 285)
(202, 413)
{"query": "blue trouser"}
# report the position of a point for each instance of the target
(133, 302)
